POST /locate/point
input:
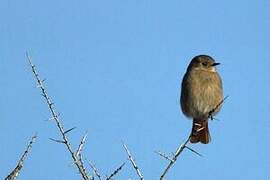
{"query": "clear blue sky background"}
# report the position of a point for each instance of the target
(114, 68)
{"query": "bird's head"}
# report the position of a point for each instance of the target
(204, 63)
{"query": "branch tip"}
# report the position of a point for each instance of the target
(131, 159)
(115, 172)
(15, 173)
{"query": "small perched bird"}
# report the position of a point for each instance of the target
(201, 95)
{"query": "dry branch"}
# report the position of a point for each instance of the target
(15, 173)
(80, 147)
(95, 171)
(131, 159)
(115, 172)
(55, 117)
(164, 156)
(174, 158)
(180, 149)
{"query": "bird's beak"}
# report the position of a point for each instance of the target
(215, 64)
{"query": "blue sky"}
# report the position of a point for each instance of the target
(113, 68)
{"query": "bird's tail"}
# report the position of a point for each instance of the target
(200, 132)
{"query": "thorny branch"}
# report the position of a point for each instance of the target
(55, 117)
(174, 158)
(77, 156)
(131, 159)
(95, 171)
(15, 173)
(116, 171)
(164, 156)
(184, 145)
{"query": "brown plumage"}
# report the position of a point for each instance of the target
(201, 94)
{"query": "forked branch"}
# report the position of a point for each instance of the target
(174, 158)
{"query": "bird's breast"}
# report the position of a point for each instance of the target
(204, 93)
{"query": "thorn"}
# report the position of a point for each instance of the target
(67, 131)
(192, 150)
(29, 58)
(58, 141)
(164, 156)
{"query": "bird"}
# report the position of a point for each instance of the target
(201, 96)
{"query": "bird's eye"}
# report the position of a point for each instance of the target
(204, 63)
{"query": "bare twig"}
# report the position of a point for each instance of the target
(164, 156)
(192, 150)
(56, 118)
(176, 154)
(131, 159)
(96, 173)
(116, 171)
(67, 131)
(14, 174)
(58, 141)
(80, 147)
